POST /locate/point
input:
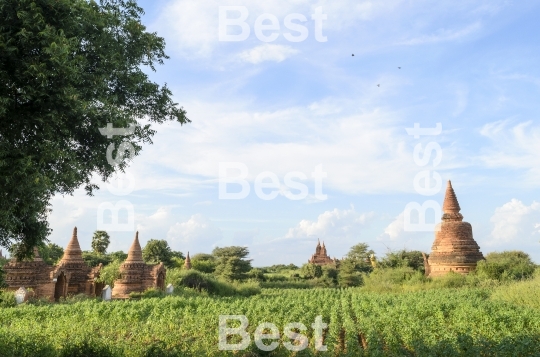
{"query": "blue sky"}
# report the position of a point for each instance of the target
(289, 106)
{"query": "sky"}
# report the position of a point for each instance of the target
(301, 103)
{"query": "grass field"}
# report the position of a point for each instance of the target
(497, 321)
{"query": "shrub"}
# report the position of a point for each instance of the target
(508, 265)
(202, 282)
(7, 299)
(311, 271)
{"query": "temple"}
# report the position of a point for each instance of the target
(70, 277)
(454, 248)
(136, 275)
(321, 257)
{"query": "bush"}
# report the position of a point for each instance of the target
(504, 266)
(7, 299)
(311, 271)
(202, 282)
(392, 279)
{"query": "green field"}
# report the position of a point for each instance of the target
(441, 322)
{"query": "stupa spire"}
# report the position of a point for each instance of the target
(135, 251)
(73, 252)
(450, 204)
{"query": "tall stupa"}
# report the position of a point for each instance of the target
(454, 248)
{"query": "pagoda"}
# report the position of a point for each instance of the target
(454, 248)
(136, 275)
(187, 263)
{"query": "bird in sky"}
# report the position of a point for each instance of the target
(378, 85)
(353, 54)
(399, 67)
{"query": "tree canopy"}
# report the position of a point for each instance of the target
(231, 262)
(100, 242)
(69, 68)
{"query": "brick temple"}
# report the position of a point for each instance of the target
(454, 248)
(72, 276)
(321, 257)
(136, 275)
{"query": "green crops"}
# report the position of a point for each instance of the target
(441, 322)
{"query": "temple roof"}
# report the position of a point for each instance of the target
(73, 253)
(450, 204)
(135, 251)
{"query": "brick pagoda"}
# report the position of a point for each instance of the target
(136, 275)
(454, 248)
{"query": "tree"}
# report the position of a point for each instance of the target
(506, 265)
(71, 70)
(311, 271)
(157, 251)
(231, 262)
(404, 258)
(93, 259)
(205, 263)
(50, 253)
(348, 274)
(100, 242)
(359, 255)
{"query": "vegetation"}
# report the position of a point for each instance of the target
(158, 250)
(439, 322)
(232, 263)
(67, 68)
(100, 242)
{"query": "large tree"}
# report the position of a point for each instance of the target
(231, 262)
(69, 68)
(158, 250)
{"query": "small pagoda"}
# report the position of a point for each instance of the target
(187, 263)
(321, 257)
(136, 275)
(454, 248)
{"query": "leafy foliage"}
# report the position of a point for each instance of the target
(231, 263)
(349, 274)
(359, 255)
(508, 265)
(311, 271)
(100, 242)
(51, 253)
(110, 273)
(68, 68)
(158, 250)
(403, 258)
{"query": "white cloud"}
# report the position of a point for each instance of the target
(395, 229)
(444, 35)
(513, 146)
(515, 221)
(334, 224)
(195, 233)
(267, 52)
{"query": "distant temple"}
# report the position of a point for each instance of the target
(320, 257)
(454, 248)
(187, 263)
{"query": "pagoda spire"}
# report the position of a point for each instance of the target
(135, 251)
(73, 252)
(450, 204)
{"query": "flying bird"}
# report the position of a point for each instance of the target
(378, 85)
(353, 54)
(399, 67)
